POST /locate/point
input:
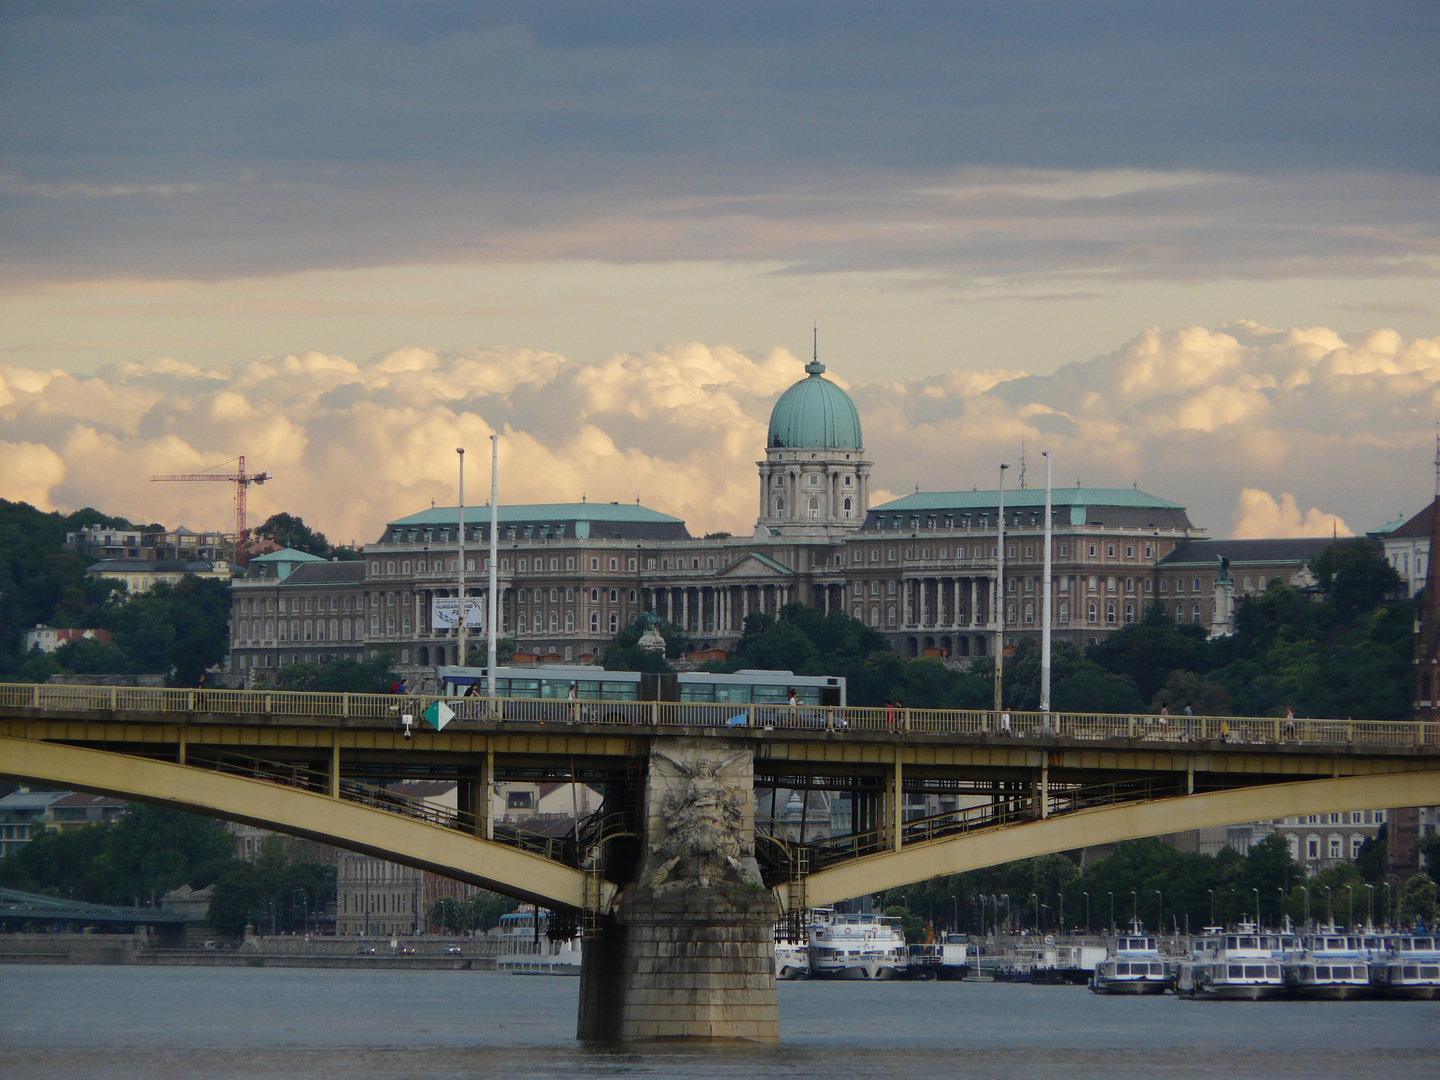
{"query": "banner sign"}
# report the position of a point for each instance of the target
(444, 609)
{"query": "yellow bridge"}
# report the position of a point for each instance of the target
(321, 766)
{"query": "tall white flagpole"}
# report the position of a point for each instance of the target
(1045, 603)
(1000, 590)
(461, 561)
(491, 613)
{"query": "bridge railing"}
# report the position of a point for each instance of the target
(140, 703)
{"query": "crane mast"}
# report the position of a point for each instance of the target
(242, 481)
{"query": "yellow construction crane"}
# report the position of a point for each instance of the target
(242, 481)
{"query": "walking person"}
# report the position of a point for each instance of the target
(889, 716)
(572, 696)
(1290, 722)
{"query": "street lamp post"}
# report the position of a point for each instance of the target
(1329, 905)
(1370, 905)
(1061, 897)
(1134, 908)
(1036, 898)
(1212, 907)
(1112, 913)
(1000, 591)
(1350, 908)
(1280, 915)
(1087, 913)
(1159, 912)
(1257, 909)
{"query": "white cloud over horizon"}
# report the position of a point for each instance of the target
(1337, 428)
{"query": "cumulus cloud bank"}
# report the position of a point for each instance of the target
(1216, 419)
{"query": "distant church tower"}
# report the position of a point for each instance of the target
(1427, 641)
(814, 480)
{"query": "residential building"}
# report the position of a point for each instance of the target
(142, 575)
(49, 638)
(77, 810)
(22, 817)
(1407, 548)
(1408, 826)
(1316, 841)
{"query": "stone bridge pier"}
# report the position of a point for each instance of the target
(688, 951)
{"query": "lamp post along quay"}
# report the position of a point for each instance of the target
(1000, 591)
(460, 621)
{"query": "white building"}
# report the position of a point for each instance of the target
(1407, 548)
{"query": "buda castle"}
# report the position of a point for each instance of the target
(921, 569)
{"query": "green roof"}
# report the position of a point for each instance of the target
(525, 513)
(814, 413)
(287, 555)
(1027, 497)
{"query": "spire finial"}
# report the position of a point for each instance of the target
(815, 367)
(1437, 460)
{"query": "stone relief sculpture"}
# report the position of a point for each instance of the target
(706, 839)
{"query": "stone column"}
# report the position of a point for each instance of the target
(689, 951)
(974, 600)
(685, 609)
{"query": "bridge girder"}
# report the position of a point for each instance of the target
(302, 813)
(1107, 825)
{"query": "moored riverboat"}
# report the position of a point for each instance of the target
(867, 947)
(1411, 969)
(1329, 966)
(1133, 966)
(1238, 966)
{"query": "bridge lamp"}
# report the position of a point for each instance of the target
(1329, 907)
(1370, 905)
(1212, 906)
(1134, 907)
(1112, 914)
(1087, 913)
(1036, 898)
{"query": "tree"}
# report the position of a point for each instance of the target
(291, 531)
(136, 860)
(1355, 576)
(276, 892)
(338, 676)
(1148, 651)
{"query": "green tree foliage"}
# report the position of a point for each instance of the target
(1077, 683)
(147, 853)
(1355, 577)
(276, 894)
(625, 654)
(180, 628)
(338, 676)
(480, 912)
(290, 531)
(1148, 651)
(1417, 902)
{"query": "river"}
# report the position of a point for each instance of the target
(139, 1023)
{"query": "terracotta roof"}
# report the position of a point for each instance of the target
(1419, 525)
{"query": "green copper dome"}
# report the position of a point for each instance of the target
(814, 413)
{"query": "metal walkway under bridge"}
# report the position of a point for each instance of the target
(326, 766)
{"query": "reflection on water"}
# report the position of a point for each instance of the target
(121, 1023)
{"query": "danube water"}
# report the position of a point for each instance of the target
(137, 1023)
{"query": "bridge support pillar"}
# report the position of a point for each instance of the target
(689, 952)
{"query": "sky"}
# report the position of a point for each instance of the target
(1191, 247)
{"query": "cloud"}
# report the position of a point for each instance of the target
(1257, 514)
(1215, 419)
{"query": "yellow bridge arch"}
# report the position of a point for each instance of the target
(1110, 824)
(297, 812)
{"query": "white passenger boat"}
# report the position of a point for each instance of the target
(857, 947)
(1411, 969)
(1238, 966)
(1133, 966)
(947, 960)
(1329, 965)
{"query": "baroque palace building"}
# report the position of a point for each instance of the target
(919, 569)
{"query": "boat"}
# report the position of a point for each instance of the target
(857, 947)
(1411, 968)
(1239, 966)
(945, 960)
(1133, 966)
(1330, 966)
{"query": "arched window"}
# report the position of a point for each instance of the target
(1010, 613)
(594, 596)
(849, 503)
(1110, 614)
(614, 623)
(389, 626)
(1064, 611)
(520, 623)
(569, 622)
(874, 616)
(1196, 613)
(1129, 613)
(1029, 613)
(1093, 612)
(554, 622)
(614, 596)
(890, 615)
(779, 507)
(594, 622)
(814, 507)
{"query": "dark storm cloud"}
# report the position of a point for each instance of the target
(227, 138)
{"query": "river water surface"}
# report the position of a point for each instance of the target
(136, 1023)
